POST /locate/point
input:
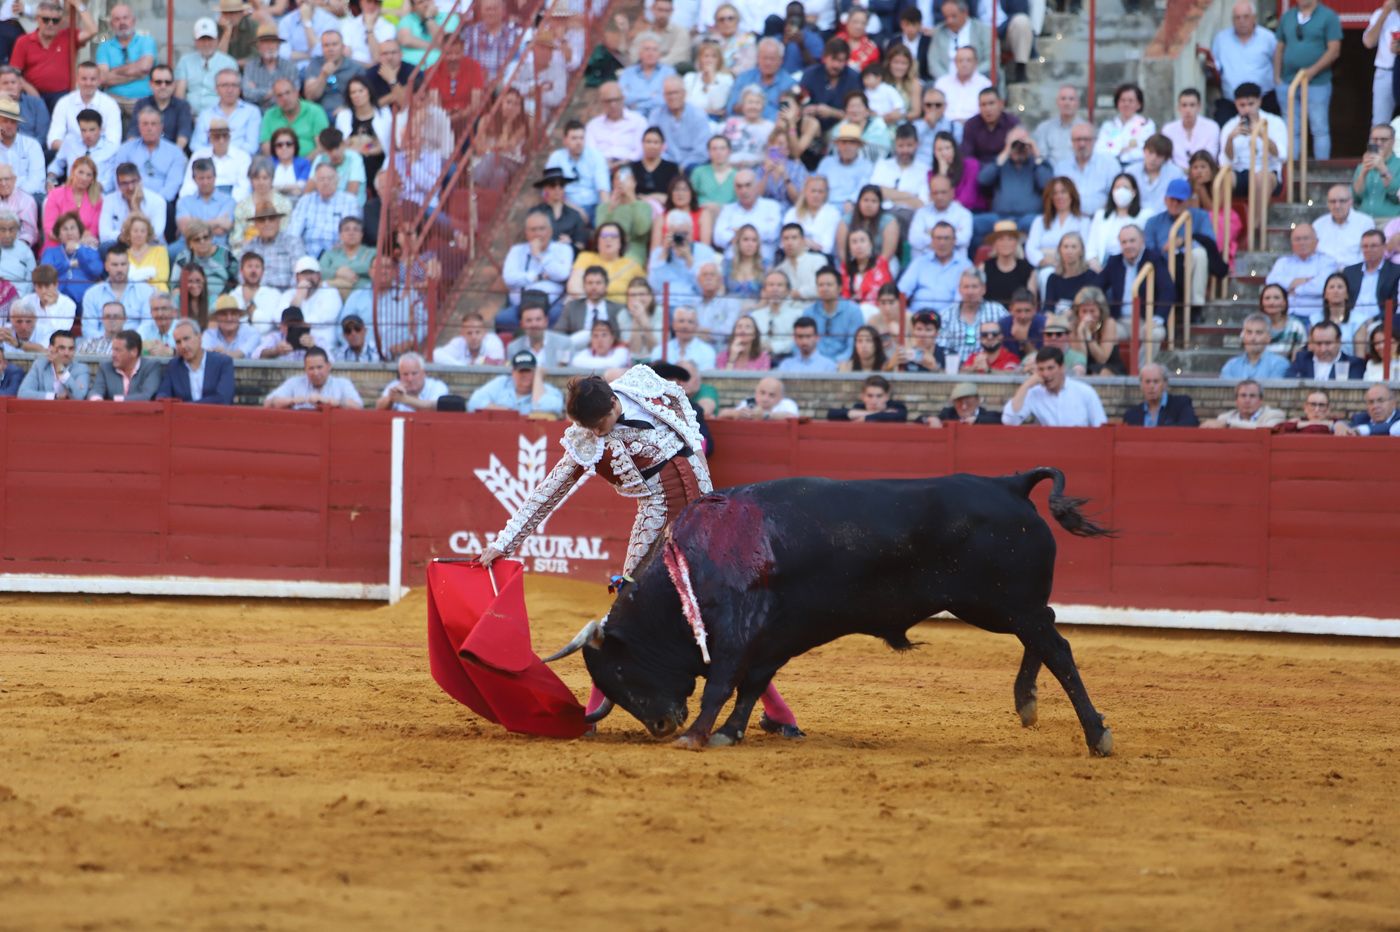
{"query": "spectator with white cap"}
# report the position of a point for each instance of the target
(319, 306)
(197, 71)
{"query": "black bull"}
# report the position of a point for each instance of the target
(781, 567)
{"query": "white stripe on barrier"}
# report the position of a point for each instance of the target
(396, 590)
(191, 586)
(1345, 625)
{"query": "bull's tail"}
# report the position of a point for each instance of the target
(1064, 508)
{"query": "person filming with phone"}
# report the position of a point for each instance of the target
(679, 257)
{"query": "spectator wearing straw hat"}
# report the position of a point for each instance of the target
(230, 335)
(964, 407)
(196, 71)
(35, 113)
(21, 153)
(230, 163)
(266, 68)
(278, 248)
(238, 30)
(846, 170)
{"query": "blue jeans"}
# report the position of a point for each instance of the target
(1319, 125)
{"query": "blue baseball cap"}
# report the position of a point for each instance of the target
(1180, 189)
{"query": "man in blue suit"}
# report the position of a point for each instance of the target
(1380, 419)
(1120, 270)
(194, 375)
(1159, 407)
(1323, 360)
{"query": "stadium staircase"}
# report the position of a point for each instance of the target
(1216, 337)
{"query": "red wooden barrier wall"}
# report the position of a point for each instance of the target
(1220, 520)
(192, 490)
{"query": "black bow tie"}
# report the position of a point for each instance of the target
(638, 425)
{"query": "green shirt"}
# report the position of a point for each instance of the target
(334, 259)
(1378, 198)
(1306, 43)
(635, 220)
(708, 190)
(310, 120)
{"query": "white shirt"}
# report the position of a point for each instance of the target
(26, 157)
(356, 37)
(230, 171)
(1342, 241)
(1075, 405)
(1385, 58)
(910, 179)
(927, 217)
(766, 216)
(456, 353)
(1102, 241)
(64, 123)
(785, 407)
(962, 98)
(197, 376)
(57, 316)
(884, 99)
(321, 312)
(268, 304)
(697, 351)
(1278, 134)
(115, 211)
(617, 357)
(820, 229)
(433, 389)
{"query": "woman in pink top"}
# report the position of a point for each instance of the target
(960, 171)
(745, 350)
(79, 193)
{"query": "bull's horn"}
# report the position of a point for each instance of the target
(600, 713)
(591, 635)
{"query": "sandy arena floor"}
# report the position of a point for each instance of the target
(179, 764)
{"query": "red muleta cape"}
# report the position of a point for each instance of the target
(479, 651)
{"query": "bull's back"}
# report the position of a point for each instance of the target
(855, 550)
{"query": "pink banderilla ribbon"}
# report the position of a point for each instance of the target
(679, 571)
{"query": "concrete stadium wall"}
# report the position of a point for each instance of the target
(1208, 521)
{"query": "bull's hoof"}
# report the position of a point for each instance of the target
(1028, 714)
(723, 739)
(689, 742)
(778, 728)
(1104, 747)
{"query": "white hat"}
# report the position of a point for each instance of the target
(306, 264)
(204, 28)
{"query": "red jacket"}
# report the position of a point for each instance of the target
(867, 289)
(1003, 361)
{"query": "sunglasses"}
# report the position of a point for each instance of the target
(160, 82)
(353, 328)
(283, 143)
(198, 239)
(990, 335)
(51, 20)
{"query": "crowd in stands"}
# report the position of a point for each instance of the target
(235, 191)
(764, 187)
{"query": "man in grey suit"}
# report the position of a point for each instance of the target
(959, 29)
(126, 377)
(56, 377)
(579, 315)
